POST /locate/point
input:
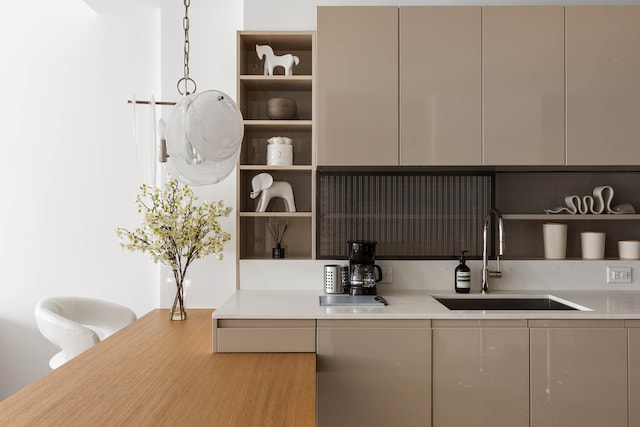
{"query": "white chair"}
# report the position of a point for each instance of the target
(75, 324)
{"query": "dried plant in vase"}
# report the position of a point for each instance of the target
(175, 232)
(278, 236)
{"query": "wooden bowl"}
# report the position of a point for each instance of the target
(282, 109)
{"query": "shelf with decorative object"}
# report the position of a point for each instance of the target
(276, 97)
(524, 195)
(273, 83)
(571, 217)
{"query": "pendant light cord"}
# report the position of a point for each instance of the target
(185, 81)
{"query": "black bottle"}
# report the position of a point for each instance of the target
(463, 276)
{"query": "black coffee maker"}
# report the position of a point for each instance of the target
(363, 271)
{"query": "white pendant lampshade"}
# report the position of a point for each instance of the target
(204, 135)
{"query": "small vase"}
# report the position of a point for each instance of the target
(178, 284)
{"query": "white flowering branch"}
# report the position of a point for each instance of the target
(175, 231)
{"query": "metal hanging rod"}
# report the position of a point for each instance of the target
(149, 102)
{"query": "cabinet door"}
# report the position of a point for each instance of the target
(603, 93)
(374, 373)
(440, 86)
(634, 373)
(357, 85)
(523, 60)
(480, 373)
(578, 373)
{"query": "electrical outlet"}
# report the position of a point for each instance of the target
(618, 274)
(387, 275)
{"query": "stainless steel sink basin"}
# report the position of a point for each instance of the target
(499, 302)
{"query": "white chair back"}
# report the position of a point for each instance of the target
(75, 324)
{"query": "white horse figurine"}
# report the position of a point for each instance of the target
(272, 60)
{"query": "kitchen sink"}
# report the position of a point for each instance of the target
(499, 302)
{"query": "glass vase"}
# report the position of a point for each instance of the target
(177, 285)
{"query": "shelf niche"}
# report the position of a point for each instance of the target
(522, 197)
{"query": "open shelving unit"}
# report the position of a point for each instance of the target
(522, 195)
(254, 90)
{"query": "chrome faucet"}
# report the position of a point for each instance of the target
(486, 273)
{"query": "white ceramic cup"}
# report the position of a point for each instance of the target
(592, 244)
(555, 240)
(629, 249)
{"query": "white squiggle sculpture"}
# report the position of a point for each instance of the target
(272, 60)
(598, 204)
(603, 195)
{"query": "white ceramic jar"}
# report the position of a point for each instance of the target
(280, 151)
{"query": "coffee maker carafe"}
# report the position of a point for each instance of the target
(363, 268)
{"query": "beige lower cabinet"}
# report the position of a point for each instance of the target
(374, 373)
(634, 372)
(480, 373)
(578, 373)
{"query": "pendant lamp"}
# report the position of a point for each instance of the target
(202, 139)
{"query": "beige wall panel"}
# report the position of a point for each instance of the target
(523, 60)
(440, 86)
(603, 86)
(376, 376)
(357, 85)
(578, 377)
(480, 377)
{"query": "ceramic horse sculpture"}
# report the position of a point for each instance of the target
(272, 60)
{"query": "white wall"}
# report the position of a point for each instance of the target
(69, 166)
(68, 170)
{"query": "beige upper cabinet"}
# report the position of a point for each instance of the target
(603, 85)
(440, 85)
(523, 60)
(578, 373)
(357, 82)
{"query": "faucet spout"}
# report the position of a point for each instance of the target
(486, 272)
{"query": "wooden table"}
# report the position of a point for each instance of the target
(162, 372)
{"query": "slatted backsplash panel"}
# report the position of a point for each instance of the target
(411, 215)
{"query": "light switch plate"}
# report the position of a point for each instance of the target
(618, 274)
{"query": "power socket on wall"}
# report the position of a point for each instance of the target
(387, 275)
(618, 274)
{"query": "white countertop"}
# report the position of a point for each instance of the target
(411, 304)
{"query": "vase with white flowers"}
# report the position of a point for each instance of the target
(175, 232)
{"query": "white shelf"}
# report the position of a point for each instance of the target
(270, 124)
(294, 168)
(571, 217)
(282, 83)
(276, 214)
